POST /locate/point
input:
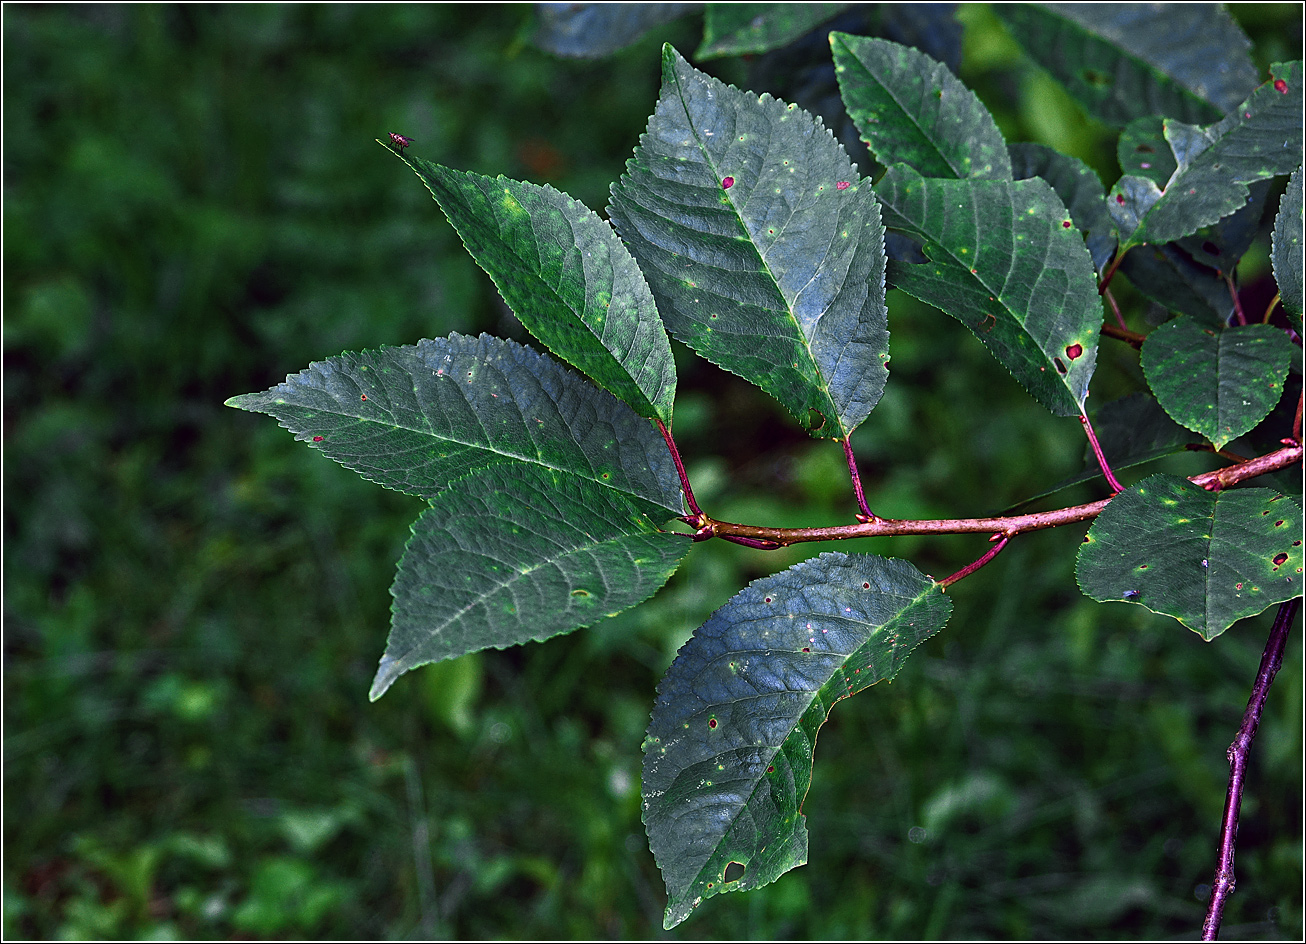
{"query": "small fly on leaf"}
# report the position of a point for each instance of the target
(400, 141)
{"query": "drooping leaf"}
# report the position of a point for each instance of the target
(1215, 164)
(567, 277)
(1217, 383)
(737, 29)
(1206, 558)
(1168, 276)
(1131, 431)
(517, 553)
(728, 756)
(1123, 61)
(1287, 246)
(764, 250)
(910, 109)
(1005, 260)
(591, 30)
(1078, 187)
(417, 417)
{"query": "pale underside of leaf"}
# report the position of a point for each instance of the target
(415, 418)
(764, 250)
(514, 554)
(1006, 260)
(728, 757)
(1205, 558)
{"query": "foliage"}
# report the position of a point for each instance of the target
(189, 608)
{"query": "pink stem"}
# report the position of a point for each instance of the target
(864, 515)
(684, 479)
(975, 565)
(1097, 451)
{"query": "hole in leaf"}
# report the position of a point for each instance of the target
(1279, 559)
(815, 419)
(1061, 368)
(733, 873)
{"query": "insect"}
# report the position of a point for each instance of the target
(400, 141)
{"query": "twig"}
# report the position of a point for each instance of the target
(1271, 659)
(975, 565)
(865, 514)
(1110, 271)
(1265, 319)
(1012, 525)
(1237, 305)
(1124, 334)
(684, 479)
(1101, 458)
(1111, 300)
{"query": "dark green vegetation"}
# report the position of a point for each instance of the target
(193, 609)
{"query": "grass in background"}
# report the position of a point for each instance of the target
(194, 605)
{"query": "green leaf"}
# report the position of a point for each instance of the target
(1168, 276)
(1221, 245)
(591, 30)
(415, 418)
(736, 29)
(1078, 187)
(1006, 260)
(1143, 151)
(567, 277)
(1123, 61)
(728, 756)
(1217, 383)
(1287, 246)
(763, 248)
(1206, 558)
(910, 109)
(1260, 140)
(519, 553)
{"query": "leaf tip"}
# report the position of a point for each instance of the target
(389, 670)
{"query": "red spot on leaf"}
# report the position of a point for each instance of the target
(711, 723)
(1120, 199)
(1279, 523)
(1281, 86)
(841, 185)
(1238, 585)
(865, 586)
(1074, 350)
(1279, 559)
(1065, 224)
(363, 397)
(770, 769)
(317, 439)
(727, 183)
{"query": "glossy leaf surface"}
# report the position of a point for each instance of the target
(910, 109)
(728, 756)
(1006, 260)
(1078, 187)
(1123, 61)
(415, 418)
(1206, 558)
(1219, 383)
(567, 278)
(1287, 246)
(1261, 139)
(519, 553)
(736, 29)
(763, 248)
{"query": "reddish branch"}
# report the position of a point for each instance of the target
(1272, 658)
(1008, 526)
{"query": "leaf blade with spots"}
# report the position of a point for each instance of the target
(737, 29)
(1287, 255)
(725, 784)
(1208, 559)
(1261, 139)
(518, 553)
(912, 110)
(417, 417)
(567, 278)
(764, 250)
(1004, 259)
(1219, 383)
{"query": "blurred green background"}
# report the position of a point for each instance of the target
(194, 604)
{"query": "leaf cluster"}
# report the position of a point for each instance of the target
(742, 229)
